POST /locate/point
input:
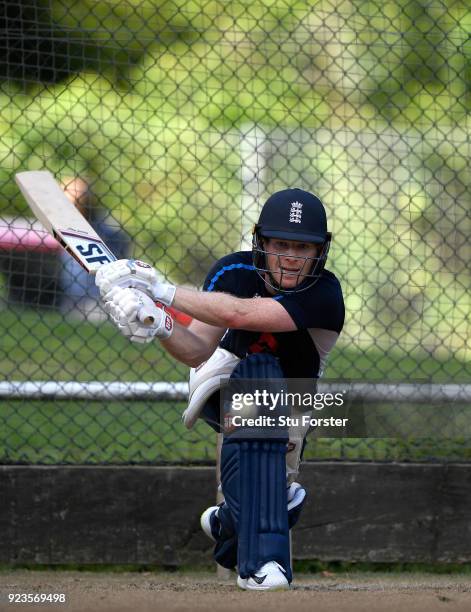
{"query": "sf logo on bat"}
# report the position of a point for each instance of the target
(94, 253)
(91, 253)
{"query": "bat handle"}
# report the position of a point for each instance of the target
(144, 317)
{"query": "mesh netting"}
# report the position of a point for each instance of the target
(175, 121)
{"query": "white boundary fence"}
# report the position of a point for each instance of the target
(178, 391)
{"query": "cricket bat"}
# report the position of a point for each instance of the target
(63, 220)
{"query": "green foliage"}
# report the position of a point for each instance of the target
(145, 162)
(419, 58)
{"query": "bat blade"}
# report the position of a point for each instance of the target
(61, 218)
(65, 222)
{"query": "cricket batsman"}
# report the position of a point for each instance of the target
(274, 312)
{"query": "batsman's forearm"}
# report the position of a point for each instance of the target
(218, 309)
(187, 347)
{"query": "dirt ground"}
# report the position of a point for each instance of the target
(179, 592)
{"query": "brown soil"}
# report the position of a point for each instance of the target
(175, 592)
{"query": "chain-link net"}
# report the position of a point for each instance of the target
(170, 123)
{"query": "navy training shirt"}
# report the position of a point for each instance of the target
(318, 313)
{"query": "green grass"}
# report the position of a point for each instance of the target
(372, 449)
(43, 346)
(54, 432)
(80, 432)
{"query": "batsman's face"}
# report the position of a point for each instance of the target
(289, 260)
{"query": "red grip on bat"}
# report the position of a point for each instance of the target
(180, 317)
(177, 315)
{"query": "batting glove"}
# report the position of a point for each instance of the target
(124, 307)
(136, 274)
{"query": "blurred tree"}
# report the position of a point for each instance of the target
(45, 41)
(418, 58)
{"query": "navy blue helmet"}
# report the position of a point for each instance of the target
(292, 214)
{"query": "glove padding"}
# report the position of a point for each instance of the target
(136, 274)
(124, 305)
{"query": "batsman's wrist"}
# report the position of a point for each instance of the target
(163, 293)
(164, 334)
